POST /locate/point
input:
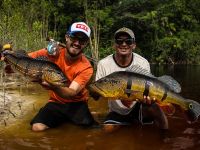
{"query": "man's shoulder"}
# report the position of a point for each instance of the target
(106, 59)
(83, 64)
(139, 58)
(84, 59)
(38, 53)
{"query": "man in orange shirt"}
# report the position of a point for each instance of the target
(67, 103)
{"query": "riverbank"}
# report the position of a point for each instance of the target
(19, 100)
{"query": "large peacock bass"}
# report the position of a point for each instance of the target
(133, 85)
(37, 69)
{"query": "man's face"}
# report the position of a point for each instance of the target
(75, 43)
(124, 44)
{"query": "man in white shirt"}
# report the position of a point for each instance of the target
(123, 112)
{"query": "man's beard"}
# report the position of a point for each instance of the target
(72, 54)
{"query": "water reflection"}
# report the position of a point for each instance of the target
(186, 75)
(182, 136)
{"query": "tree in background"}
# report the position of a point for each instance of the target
(25, 24)
(167, 31)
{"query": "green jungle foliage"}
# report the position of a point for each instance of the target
(167, 31)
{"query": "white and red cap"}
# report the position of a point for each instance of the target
(80, 27)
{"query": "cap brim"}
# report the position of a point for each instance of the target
(74, 32)
(122, 32)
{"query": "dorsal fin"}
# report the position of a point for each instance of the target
(17, 53)
(168, 80)
(171, 82)
(42, 58)
(21, 53)
(139, 70)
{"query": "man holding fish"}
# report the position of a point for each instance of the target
(124, 112)
(69, 102)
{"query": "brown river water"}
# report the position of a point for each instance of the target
(15, 132)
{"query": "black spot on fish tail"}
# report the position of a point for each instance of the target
(191, 116)
(193, 111)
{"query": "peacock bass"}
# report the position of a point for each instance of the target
(134, 84)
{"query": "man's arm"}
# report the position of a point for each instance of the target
(64, 92)
(74, 87)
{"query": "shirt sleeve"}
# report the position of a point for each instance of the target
(42, 52)
(142, 62)
(100, 73)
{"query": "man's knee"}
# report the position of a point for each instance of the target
(157, 114)
(108, 128)
(39, 127)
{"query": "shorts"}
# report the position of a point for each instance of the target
(54, 114)
(134, 116)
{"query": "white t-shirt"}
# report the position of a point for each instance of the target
(107, 66)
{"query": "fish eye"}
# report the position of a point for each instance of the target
(190, 106)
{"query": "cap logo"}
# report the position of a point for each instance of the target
(82, 26)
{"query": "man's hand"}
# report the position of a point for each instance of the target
(47, 85)
(148, 100)
(64, 92)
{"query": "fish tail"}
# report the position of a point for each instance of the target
(193, 111)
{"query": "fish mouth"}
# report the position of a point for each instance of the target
(95, 92)
(60, 82)
(63, 82)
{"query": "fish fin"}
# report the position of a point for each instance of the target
(168, 108)
(20, 53)
(17, 53)
(168, 80)
(171, 82)
(139, 70)
(42, 58)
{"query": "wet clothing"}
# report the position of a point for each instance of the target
(135, 115)
(54, 114)
(118, 109)
(59, 110)
(116, 118)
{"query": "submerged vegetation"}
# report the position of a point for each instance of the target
(167, 31)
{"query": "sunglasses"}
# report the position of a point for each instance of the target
(121, 41)
(82, 40)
